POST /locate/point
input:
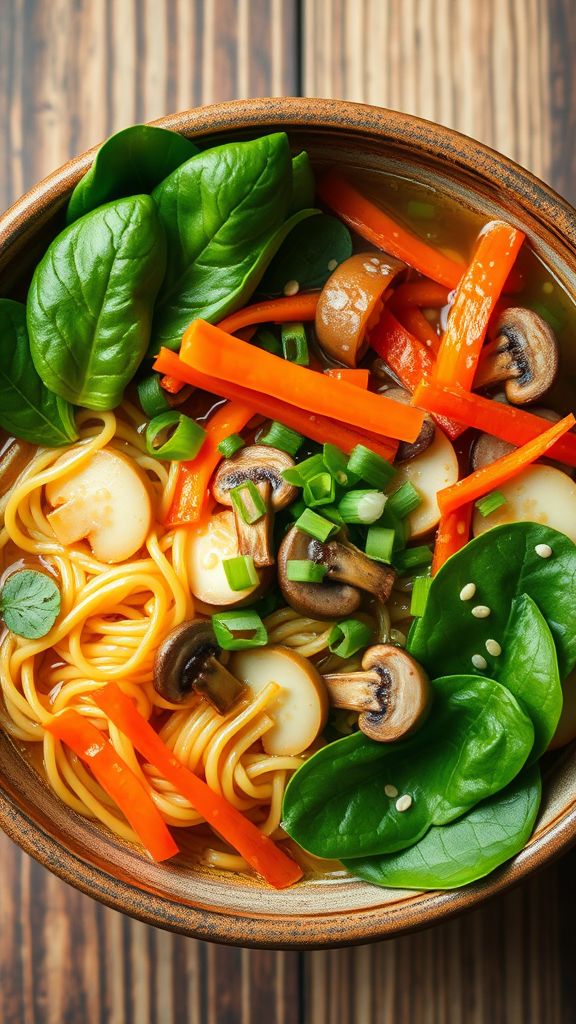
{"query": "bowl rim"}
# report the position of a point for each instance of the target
(318, 930)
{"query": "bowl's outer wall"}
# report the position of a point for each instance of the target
(198, 901)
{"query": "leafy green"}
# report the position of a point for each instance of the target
(91, 300)
(308, 255)
(27, 409)
(29, 603)
(303, 184)
(129, 163)
(466, 849)
(475, 741)
(503, 564)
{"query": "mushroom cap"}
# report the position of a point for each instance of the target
(261, 464)
(187, 661)
(524, 354)
(486, 449)
(407, 451)
(327, 600)
(406, 694)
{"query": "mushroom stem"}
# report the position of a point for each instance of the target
(358, 691)
(348, 564)
(495, 367)
(523, 356)
(255, 539)
(218, 686)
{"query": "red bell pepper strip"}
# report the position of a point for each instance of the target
(453, 533)
(413, 320)
(258, 850)
(117, 779)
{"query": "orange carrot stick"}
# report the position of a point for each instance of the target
(426, 294)
(413, 320)
(378, 227)
(476, 296)
(358, 377)
(273, 311)
(497, 473)
(453, 533)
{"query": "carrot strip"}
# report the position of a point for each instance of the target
(476, 296)
(378, 227)
(497, 473)
(171, 384)
(212, 351)
(273, 311)
(117, 779)
(359, 378)
(409, 360)
(423, 293)
(415, 322)
(261, 853)
(317, 428)
(453, 533)
(505, 421)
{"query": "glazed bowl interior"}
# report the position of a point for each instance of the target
(335, 910)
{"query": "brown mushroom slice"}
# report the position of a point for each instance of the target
(262, 466)
(188, 662)
(350, 303)
(392, 693)
(539, 494)
(208, 545)
(486, 449)
(523, 356)
(349, 572)
(430, 472)
(407, 451)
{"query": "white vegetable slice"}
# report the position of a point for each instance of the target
(539, 494)
(300, 710)
(209, 544)
(435, 468)
(105, 501)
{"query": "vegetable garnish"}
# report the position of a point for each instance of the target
(475, 298)
(453, 533)
(414, 321)
(239, 630)
(257, 849)
(117, 779)
(240, 572)
(369, 467)
(362, 506)
(490, 503)
(184, 441)
(230, 445)
(348, 637)
(358, 377)
(29, 603)
(273, 311)
(279, 436)
(427, 294)
(380, 543)
(379, 228)
(303, 570)
(315, 525)
(420, 591)
(295, 343)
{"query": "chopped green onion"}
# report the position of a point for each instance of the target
(336, 463)
(316, 526)
(295, 343)
(370, 467)
(490, 502)
(403, 501)
(303, 471)
(240, 572)
(400, 527)
(412, 558)
(268, 341)
(380, 543)
(349, 636)
(302, 570)
(319, 490)
(420, 210)
(230, 445)
(331, 512)
(239, 630)
(184, 441)
(362, 506)
(420, 591)
(283, 438)
(153, 398)
(248, 502)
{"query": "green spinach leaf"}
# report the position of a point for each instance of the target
(29, 603)
(465, 850)
(303, 184)
(129, 163)
(91, 301)
(474, 743)
(309, 255)
(27, 409)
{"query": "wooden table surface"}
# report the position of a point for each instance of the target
(72, 72)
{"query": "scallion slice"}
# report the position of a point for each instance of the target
(319, 490)
(248, 501)
(336, 463)
(490, 502)
(316, 526)
(240, 572)
(349, 636)
(239, 630)
(295, 343)
(380, 543)
(267, 340)
(153, 398)
(331, 512)
(302, 570)
(230, 445)
(403, 501)
(412, 558)
(370, 467)
(283, 438)
(303, 471)
(183, 437)
(420, 591)
(362, 506)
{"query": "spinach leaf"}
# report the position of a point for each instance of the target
(465, 850)
(303, 184)
(27, 409)
(29, 603)
(91, 300)
(308, 255)
(129, 163)
(502, 563)
(474, 743)
(224, 213)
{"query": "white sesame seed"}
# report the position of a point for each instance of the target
(543, 550)
(404, 803)
(493, 648)
(390, 791)
(468, 591)
(481, 611)
(291, 288)
(479, 662)
(332, 264)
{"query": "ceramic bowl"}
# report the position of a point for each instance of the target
(196, 901)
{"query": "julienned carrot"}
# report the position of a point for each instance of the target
(174, 386)
(505, 421)
(359, 378)
(378, 227)
(191, 491)
(497, 473)
(425, 294)
(413, 319)
(117, 779)
(212, 351)
(453, 533)
(408, 359)
(273, 311)
(257, 849)
(476, 296)
(317, 428)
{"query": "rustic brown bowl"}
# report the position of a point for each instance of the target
(196, 901)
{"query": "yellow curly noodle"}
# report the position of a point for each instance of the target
(112, 620)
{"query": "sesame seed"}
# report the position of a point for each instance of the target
(543, 550)
(468, 591)
(332, 264)
(493, 648)
(291, 288)
(404, 803)
(479, 662)
(481, 611)
(390, 791)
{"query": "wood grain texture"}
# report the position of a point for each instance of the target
(71, 72)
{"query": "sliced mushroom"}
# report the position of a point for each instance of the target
(208, 545)
(350, 304)
(392, 693)
(407, 451)
(539, 494)
(523, 355)
(188, 661)
(349, 572)
(429, 472)
(263, 466)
